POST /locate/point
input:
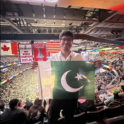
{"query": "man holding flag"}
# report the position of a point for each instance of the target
(68, 105)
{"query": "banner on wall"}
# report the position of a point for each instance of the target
(8, 48)
(53, 47)
(40, 53)
(25, 53)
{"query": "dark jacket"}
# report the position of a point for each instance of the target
(38, 118)
(13, 116)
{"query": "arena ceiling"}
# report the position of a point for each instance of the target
(29, 17)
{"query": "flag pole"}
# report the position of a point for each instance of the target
(39, 85)
(39, 78)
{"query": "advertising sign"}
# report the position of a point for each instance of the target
(25, 53)
(40, 52)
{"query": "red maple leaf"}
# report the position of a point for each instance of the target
(5, 48)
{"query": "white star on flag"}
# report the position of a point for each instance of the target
(78, 77)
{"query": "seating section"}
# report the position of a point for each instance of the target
(103, 112)
(116, 120)
(80, 118)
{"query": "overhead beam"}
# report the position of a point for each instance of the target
(55, 37)
(12, 24)
(60, 19)
(40, 18)
(98, 23)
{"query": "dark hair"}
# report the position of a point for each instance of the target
(50, 101)
(99, 88)
(33, 111)
(66, 33)
(35, 108)
(1, 106)
(122, 87)
(13, 103)
(116, 96)
(19, 103)
(29, 105)
(38, 102)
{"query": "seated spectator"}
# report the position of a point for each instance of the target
(115, 93)
(90, 105)
(1, 108)
(102, 96)
(122, 78)
(13, 115)
(121, 95)
(119, 89)
(36, 112)
(47, 107)
(86, 105)
(20, 105)
(27, 106)
(81, 106)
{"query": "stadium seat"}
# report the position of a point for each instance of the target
(92, 116)
(99, 103)
(116, 120)
(113, 111)
(96, 122)
(120, 99)
(80, 118)
(61, 120)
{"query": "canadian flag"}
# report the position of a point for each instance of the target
(8, 48)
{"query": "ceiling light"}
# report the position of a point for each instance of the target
(8, 41)
(54, 16)
(33, 14)
(44, 15)
(51, 1)
(38, 0)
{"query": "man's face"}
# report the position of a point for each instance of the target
(66, 43)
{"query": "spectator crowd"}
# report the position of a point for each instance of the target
(19, 102)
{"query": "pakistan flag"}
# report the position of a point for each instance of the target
(72, 80)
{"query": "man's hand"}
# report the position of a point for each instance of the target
(34, 64)
(98, 63)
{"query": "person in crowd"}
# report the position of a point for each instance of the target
(121, 95)
(90, 105)
(99, 88)
(47, 106)
(1, 107)
(115, 93)
(13, 115)
(36, 112)
(68, 106)
(85, 105)
(103, 96)
(81, 106)
(44, 103)
(20, 105)
(27, 106)
(122, 78)
(109, 98)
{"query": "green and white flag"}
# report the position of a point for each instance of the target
(67, 80)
